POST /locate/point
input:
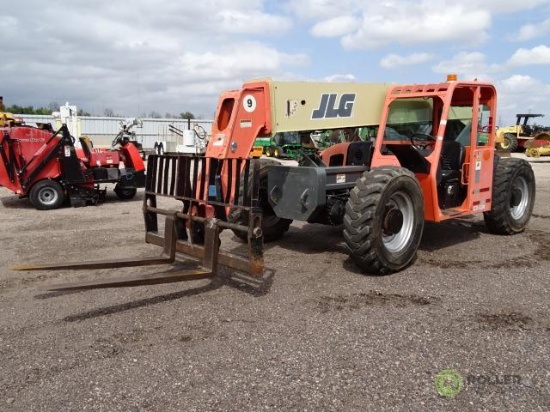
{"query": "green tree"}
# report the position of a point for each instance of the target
(109, 112)
(187, 115)
(44, 111)
(54, 106)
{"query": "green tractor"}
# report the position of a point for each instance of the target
(326, 138)
(286, 145)
(291, 144)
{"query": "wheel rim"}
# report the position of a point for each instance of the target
(47, 196)
(394, 240)
(519, 200)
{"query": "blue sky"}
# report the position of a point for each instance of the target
(172, 56)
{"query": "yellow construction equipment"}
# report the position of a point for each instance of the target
(520, 135)
(539, 146)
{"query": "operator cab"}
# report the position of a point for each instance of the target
(436, 136)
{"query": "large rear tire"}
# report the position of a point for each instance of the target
(273, 227)
(384, 220)
(513, 197)
(47, 195)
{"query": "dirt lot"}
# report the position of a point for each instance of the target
(319, 336)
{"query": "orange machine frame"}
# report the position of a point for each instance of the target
(477, 169)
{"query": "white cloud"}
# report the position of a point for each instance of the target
(410, 23)
(238, 21)
(340, 78)
(519, 84)
(468, 66)
(372, 25)
(502, 6)
(522, 94)
(171, 57)
(531, 31)
(7, 22)
(392, 61)
(527, 57)
(180, 55)
(322, 9)
(526, 32)
(238, 61)
(335, 27)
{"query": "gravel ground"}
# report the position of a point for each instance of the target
(318, 336)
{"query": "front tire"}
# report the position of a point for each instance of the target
(273, 227)
(47, 195)
(513, 197)
(384, 220)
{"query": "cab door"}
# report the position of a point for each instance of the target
(478, 168)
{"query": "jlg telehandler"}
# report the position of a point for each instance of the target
(429, 162)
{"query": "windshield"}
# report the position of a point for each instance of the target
(408, 117)
(287, 138)
(413, 119)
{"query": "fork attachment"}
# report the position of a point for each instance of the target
(208, 189)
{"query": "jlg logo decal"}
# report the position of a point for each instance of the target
(329, 109)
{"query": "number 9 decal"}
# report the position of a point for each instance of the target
(249, 103)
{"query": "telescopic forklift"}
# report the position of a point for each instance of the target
(433, 159)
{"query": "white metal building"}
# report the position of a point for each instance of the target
(102, 130)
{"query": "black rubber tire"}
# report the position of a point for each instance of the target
(273, 227)
(47, 195)
(278, 152)
(377, 194)
(268, 151)
(125, 193)
(513, 184)
(510, 143)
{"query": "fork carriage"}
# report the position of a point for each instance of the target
(209, 190)
(197, 183)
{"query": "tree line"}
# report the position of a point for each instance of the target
(107, 112)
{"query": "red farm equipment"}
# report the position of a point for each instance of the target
(433, 159)
(46, 167)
